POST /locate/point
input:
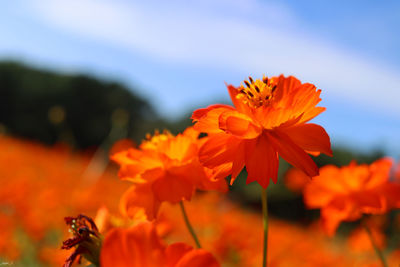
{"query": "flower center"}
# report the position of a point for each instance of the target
(82, 225)
(257, 93)
(151, 142)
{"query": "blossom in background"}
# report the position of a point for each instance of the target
(296, 180)
(163, 168)
(140, 246)
(39, 186)
(346, 193)
(269, 119)
(232, 235)
(360, 241)
(86, 240)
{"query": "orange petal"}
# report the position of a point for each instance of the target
(310, 137)
(135, 247)
(198, 258)
(380, 172)
(139, 202)
(239, 105)
(202, 112)
(316, 195)
(182, 148)
(102, 219)
(239, 125)
(182, 255)
(202, 178)
(219, 149)
(313, 153)
(239, 160)
(219, 172)
(370, 202)
(305, 98)
(337, 211)
(276, 117)
(214, 181)
(312, 113)
(191, 133)
(135, 162)
(175, 252)
(391, 191)
(207, 120)
(285, 85)
(292, 153)
(262, 162)
(173, 188)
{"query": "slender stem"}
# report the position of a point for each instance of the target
(377, 250)
(188, 225)
(265, 224)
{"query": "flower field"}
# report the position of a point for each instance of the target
(168, 200)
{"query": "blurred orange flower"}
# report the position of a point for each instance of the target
(344, 194)
(360, 241)
(141, 246)
(39, 186)
(232, 235)
(269, 118)
(296, 180)
(164, 168)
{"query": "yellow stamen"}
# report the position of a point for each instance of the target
(257, 93)
(153, 141)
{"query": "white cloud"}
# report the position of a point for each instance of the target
(249, 37)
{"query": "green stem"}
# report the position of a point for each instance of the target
(377, 250)
(265, 224)
(188, 225)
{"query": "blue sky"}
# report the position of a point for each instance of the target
(180, 53)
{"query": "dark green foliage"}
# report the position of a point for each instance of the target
(27, 96)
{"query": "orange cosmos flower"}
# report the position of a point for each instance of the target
(140, 246)
(345, 194)
(269, 118)
(164, 168)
